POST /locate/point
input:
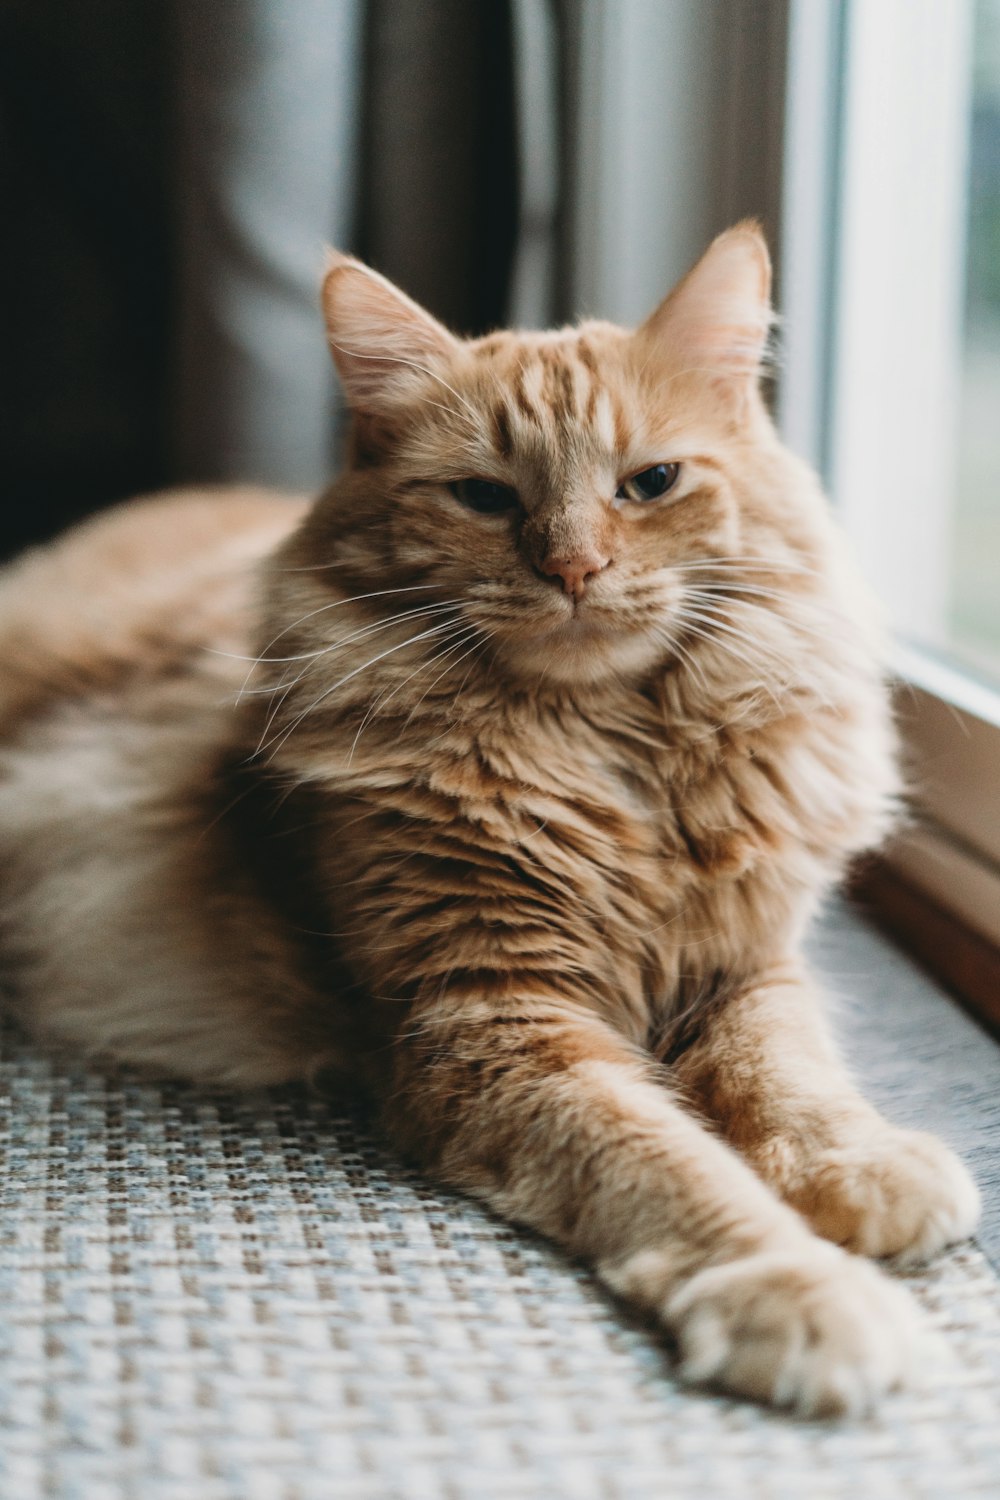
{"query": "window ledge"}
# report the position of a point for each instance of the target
(917, 1055)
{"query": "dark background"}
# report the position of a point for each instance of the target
(94, 269)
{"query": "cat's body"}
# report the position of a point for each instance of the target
(511, 794)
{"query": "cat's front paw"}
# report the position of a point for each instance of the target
(897, 1193)
(811, 1329)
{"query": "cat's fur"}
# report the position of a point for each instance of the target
(519, 817)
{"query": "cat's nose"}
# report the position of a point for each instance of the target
(575, 572)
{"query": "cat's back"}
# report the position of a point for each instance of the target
(145, 591)
(130, 918)
(123, 647)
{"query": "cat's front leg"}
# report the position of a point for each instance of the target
(765, 1070)
(557, 1123)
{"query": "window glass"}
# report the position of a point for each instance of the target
(974, 593)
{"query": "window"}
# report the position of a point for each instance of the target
(973, 618)
(866, 133)
(913, 408)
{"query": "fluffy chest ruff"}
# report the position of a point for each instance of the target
(615, 856)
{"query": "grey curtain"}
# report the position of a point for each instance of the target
(267, 155)
(387, 128)
(172, 171)
(85, 257)
(440, 198)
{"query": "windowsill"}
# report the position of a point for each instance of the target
(937, 887)
(917, 1054)
(936, 674)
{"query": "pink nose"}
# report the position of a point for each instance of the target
(575, 572)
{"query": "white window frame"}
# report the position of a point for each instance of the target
(896, 348)
(863, 106)
(900, 258)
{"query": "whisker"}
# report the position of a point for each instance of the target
(487, 638)
(686, 657)
(481, 646)
(258, 661)
(731, 561)
(712, 604)
(421, 612)
(735, 587)
(378, 594)
(312, 657)
(339, 604)
(716, 622)
(484, 638)
(398, 359)
(727, 646)
(384, 697)
(306, 712)
(372, 626)
(764, 654)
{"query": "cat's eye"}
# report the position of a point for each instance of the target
(649, 484)
(484, 495)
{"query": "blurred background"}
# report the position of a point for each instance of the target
(172, 170)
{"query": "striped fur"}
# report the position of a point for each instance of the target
(532, 859)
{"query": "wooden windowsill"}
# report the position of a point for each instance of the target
(963, 960)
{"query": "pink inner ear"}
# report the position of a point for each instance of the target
(733, 347)
(384, 345)
(719, 316)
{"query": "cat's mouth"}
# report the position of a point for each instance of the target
(585, 646)
(554, 638)
(578, 625)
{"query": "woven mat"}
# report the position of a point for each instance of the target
(223, 1299)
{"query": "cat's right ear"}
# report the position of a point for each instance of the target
(716, 321)
(382, 342)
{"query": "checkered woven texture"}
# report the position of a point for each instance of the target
(217, 1299)
(223, 1298)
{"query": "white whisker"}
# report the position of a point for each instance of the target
(384, 697)
(311, 658)
(311, 708)
(716, 622)
(482, 641)
(398, 359)
(732, 561)
(722, 644)
(339, 604)
(336, 604)
(687, 658)
(374, 625)
(713, 604)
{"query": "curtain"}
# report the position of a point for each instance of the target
(86, 247)
(174, 170)
(267, 100)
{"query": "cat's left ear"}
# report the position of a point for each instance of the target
(717, 319)
(383, 344)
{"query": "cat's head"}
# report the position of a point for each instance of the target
(563, 490)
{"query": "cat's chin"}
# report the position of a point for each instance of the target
(581, 651)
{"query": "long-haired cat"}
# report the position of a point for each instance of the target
(506, 778)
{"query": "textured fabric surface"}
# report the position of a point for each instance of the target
(919, 1057)
(247, 1299)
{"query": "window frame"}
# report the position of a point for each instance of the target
(819, 105)
(892, 425)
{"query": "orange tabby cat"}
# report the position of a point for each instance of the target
(511, 788)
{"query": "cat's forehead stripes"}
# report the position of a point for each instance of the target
(502, 436)
(551, 384)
